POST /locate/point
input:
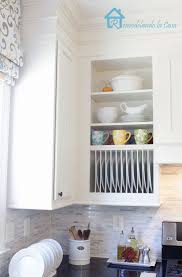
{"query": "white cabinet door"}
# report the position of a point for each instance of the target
(41, 164)
(30, 176)
(168, 99)
(176, 98)
(66, 167)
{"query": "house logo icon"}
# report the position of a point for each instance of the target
(115, 19)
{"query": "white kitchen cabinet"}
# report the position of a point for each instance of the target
(46, 159)
(52, 162)
(66, 145)
(42, 163)
(123, 175)
(168, 99)
(167, 111)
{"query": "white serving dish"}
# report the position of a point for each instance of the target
(115, 261)
(127, 82)
(107, 114)
(138, 110)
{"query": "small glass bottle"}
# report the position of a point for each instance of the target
(132, 239)
(121, 246)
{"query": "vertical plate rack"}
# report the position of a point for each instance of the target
(122, 171)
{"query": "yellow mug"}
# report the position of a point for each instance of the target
(121, 137)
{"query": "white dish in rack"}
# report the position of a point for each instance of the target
(27, 259)
(57, 249)
(46, 253)
(39, 259)
(115, 261)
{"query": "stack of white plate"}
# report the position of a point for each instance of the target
(38, 260)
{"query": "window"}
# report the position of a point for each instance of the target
(4, 132)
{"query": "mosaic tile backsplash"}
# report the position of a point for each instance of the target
(104, 237)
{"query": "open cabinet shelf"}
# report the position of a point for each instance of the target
(123, 175)
(121, 147)
(122, 171)
(110, 126)
(115, 96)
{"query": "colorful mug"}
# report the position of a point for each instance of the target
(121, 137)
(142, 136)
(99, 137)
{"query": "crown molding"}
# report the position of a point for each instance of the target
(60, 16)
(114, 40)
(68, 22)
(69, 10)
(39, 4)
(93, 30)
(46, 8)
(33, 20)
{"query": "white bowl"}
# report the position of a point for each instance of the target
(127, 82)
(107, 114)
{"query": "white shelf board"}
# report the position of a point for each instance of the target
(111, 126)
(122, 147)
(115, 96)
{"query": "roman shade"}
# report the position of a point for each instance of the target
(11, 58)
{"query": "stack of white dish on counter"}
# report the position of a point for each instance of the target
(38, 260)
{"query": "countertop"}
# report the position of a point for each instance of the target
(99, 268)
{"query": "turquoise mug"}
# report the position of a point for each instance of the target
(99, 137)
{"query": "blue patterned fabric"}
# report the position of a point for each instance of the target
(11, 57)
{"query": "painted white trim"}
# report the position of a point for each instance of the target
(4, 139)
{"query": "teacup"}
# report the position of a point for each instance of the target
(142, 136)
(121, 137)
(99, 137)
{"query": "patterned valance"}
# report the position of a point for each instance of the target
(10, 45)
(9, 70)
